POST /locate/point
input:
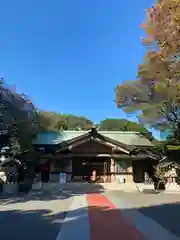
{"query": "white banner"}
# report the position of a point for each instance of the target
(62, 178)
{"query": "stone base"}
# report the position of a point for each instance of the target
(129, 178)
(117, 178)
(10, 188)
(141, 187)
(36, 186)
(172, 187)
(25, 186)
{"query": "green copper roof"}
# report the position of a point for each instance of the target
(173, 147)
(129, 138)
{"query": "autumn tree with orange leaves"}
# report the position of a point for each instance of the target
(162, 28)
(155, 94)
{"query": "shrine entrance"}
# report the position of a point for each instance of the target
(83, 168)
(92, 151)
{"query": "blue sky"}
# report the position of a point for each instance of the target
(68, 56)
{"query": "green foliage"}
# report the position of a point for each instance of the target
(111, 124)
(51, 121)
(18, 118)
(78, 122)
(155, 95)
(56, 122)
(156, 102)
(160, 146)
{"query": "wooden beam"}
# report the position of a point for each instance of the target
(113, 146)
(119, 156)
(70, 155)
(115, 156)
(105, 143)
(73, 145)
(132, 157)
(83, 141)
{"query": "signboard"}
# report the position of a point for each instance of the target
(121, 179)
(62, 178)
(121, 166)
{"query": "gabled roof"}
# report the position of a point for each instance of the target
(144, 152)
(66, 140)
(93, 135)
(166, 164)
(127, 138)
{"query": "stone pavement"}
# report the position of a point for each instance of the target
(127, 187)
(162, 208)
(145, 223)
(98, 216)
(86, 213)
(35, 216)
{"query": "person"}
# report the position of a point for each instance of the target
(44, 174)
(12, 173)
(94, 175)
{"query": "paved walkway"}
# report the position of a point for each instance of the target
(33, 217)
(54, 215)
(162, 208)
(97, 216)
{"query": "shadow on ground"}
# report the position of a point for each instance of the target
(42, 224)
(52, 193)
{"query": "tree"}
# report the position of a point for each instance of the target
(160, 111)
(155, 94)
(162, 26)
(54, 122)
(78, 122)
(110, 124)
(160, 146)
(51, 121)
(18, 119)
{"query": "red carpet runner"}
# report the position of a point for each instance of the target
(106, 222)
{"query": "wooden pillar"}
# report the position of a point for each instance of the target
(112, 170)
(69, 169)
(129, 177)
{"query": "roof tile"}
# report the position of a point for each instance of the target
(129, 138)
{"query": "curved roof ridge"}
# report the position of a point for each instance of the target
(75, 131)
(102, 131)
(129, 132)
